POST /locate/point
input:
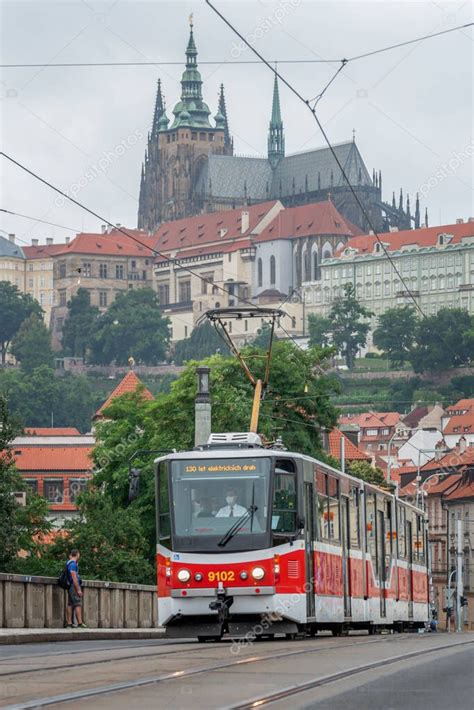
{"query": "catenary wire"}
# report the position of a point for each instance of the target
(42, 221)
(237, 61)
(333, 152)
(156, 252)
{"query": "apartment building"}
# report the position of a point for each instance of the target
(12, 262)
(437, 264)
(39, 271)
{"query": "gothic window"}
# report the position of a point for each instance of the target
(307, 265)
(260, 273)
(272, 270)
(316, 267)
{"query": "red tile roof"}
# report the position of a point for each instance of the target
(442, 484)
(463, 490)
(52, 458)
(351, 451)
(452, 459)
(42, 251)
(462, 405)
(308, 220)
(113, 243)
(460, 424)
(129, 384)
(52, 431)
(193, 232)
(424, 237)
(371, 419)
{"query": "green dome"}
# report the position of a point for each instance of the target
(163, 122)
(220, 120)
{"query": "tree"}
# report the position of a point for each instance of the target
(443, 341)
(31, 346)
(79, 324)
(365, 471)
(203, 342)
(348, 327)
(262, 339)
(14, 308)
(19, 525)
(132, 326)
(319, 329)
(396, 332)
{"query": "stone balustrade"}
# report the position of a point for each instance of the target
(38, 602)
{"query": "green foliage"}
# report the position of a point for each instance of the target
(18, 524)
(79, 324)
(319, 328)
(203, 342)
(37, 398)
(31, 345)
(262, 339)
(396, 333)
(365, 471)
(443, 341)
(132, 326)
(349, 326)
(15, 307)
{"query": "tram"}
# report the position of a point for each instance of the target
(262, 541)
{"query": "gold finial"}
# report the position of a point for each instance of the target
(191, 20)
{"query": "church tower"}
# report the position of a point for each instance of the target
(176, 153)
(276, 139)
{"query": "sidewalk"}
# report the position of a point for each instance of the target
(11, 636)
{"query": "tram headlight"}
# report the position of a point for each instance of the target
(258, 573)
(184, 575)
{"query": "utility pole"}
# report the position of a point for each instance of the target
(459, 584)
(202, 407)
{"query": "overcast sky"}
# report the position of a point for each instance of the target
(84, 129)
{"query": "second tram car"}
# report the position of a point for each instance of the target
(263, 541)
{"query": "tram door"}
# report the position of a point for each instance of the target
(346, 569)
(309, 548)
(381, 561)
(409, 536)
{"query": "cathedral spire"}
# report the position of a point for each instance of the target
(159, 110)
(408, 212)
(417, 212)
(400, 204)
(223, 112)
(394, 202)
(276, 139)
(426, 216)
(191, 111)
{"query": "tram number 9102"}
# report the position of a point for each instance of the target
(221, 576)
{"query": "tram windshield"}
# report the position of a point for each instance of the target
(211, 496)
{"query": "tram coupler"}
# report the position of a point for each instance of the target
(222, 604)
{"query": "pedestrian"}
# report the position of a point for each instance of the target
(74, 593)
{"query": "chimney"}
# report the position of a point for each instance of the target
(67, 240)
(34, 242)
(11, 237)
(245, 222)
(103, 228)
(118, 225)
(49, 241)
(470, 219)
(459, 220)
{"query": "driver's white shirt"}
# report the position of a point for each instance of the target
(237, 511)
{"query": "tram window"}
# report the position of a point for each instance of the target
(284, 503)
(333, 507)
(370, 524)
(354, 517)
(402, 550)
(321, 486)
(419, 540)
(163, 503)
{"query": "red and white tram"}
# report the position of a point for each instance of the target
(262, 541)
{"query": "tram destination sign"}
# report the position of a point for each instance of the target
(213, 467)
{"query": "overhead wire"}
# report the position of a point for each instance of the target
(42, 221)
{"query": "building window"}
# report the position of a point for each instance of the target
(30, 267)
(184, 291)
(163, 294)
(76, 487)
(272, 270)
(54, 490)
(32, 484)
(211, 136)
(62, 297)
(119, 271)
(259, 272)
(42, 282)
(202, 136)
(59, 324)
(316, 268)
(62, 269)
(372, 432)
(30, 283)
(103, 271)
(103, 299)
(194, 136)
(133, 264)
(86, 269)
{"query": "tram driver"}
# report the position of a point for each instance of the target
(232, 509)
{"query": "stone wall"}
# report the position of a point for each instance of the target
(38, 602)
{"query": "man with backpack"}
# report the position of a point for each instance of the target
(74, 590)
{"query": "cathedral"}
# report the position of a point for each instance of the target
(190, 167)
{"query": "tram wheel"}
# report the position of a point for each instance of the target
(291, 636)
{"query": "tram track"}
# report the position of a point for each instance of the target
(209, 668)
(292, 690)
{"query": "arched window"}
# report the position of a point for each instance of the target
(316, 267)
(272, 270)
(307, 265)
(260, 272)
